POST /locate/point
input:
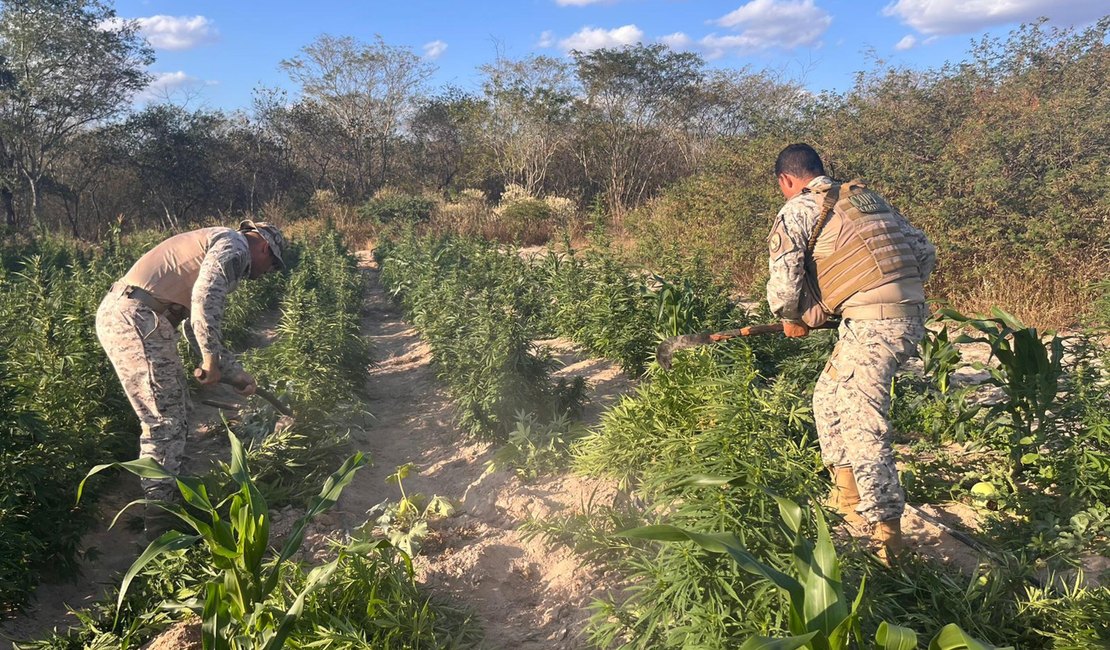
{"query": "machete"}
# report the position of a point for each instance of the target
(664, 354)
(258, 390)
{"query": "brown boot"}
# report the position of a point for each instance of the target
(888, 534)
(844, 497)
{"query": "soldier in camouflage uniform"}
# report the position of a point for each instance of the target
(839, 249)
(186, 279)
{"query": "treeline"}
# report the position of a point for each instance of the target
(1000, 157)
(611, 124)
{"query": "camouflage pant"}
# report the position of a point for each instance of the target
(851, 405)
(142, 346)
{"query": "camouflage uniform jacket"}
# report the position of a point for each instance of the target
(226, 263)
(789, 238)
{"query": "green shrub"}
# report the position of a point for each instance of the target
(403, 208)
(61, 407)
(525, 221)
(479, 309)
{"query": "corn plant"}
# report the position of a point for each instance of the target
(820, 616)
(1028, 373)
(940, 357)
(239, 608)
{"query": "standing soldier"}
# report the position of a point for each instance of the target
(185, 278)
(839, 249)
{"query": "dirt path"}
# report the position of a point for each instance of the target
(524, 594)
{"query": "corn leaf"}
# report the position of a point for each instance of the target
(895, 637)
(951, 637)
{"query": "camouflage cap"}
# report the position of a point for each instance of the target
(270, 233)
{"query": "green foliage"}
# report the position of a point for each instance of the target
(392, 208)
(711, 414)
(236, 605)
(526, 221)
(819, 615)
(536, 448)
(320, 356)
(405, 522)
(621, 315)
(60, 407)
(289, 459)
(1028, 373)
(479, 309)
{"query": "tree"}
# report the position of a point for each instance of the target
(67, 64)
(638, 102)
(530, 106)
(443, 130)
(172, 152)
(367, 88)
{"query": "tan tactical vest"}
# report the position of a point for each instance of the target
(169, 270)
(856, 245)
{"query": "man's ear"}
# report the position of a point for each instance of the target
(785, 183)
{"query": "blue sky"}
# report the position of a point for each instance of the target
(217, 51)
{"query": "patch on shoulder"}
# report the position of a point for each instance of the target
(775, 242)
(778, 244)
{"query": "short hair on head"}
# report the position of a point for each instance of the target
(799, 160)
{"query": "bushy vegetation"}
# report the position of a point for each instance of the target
(319, 355)
(984, 155)
(393, 207)
(61, 405)
(479, 309)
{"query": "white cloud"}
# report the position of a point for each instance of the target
(434, 49)
(592, 38)
(965, 16)
(766, 24)
(177, 32)
(907, 42)
(676, 41)
(165, 84)
(547, 39)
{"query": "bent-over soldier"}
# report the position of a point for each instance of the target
(186, 278)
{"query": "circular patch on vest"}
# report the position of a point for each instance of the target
(775, 241)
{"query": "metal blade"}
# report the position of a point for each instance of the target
(664, 354)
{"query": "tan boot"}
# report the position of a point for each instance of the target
(888, 534)
(844, 497)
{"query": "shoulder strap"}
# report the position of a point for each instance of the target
(831, 197)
